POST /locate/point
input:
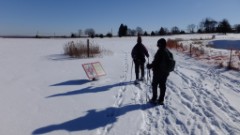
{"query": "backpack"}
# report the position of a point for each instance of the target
(171, 62)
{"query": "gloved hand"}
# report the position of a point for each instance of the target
(134, 58)
(149, 66)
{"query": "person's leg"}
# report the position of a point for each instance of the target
(162, 87)
(154, 87)
(137, 69)
(142, 70)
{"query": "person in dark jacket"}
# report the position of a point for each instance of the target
(160, 71)
(139, 52)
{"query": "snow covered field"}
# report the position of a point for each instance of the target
(45, 92)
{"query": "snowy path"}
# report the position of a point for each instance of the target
(191, 107)
(194, 104)
(119, 97)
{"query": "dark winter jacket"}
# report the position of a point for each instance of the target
(160, 62)
(139, 52)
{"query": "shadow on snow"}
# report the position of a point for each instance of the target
(60, 57)
(72, 82)
(93, 119)
(89, 89)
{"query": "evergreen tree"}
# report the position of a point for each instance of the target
(120, 31)
(101, 35)
(237, 28)
(153, 33)
(145, 33)
(208, 25)
(73, 35)
(123, 29)
(182, 32)
(224, 26)
(162, 31)
(109, 34)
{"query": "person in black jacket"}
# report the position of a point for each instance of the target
(160, 71)
(139, 52)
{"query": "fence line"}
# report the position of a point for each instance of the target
(225, 58)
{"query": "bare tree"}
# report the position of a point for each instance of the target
(80, 32)
(90, 32)
(191, 28)
(175, 30)
(139, 30)
(131, 32)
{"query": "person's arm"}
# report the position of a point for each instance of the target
(155, 61)
(132, 53)
(145, 51)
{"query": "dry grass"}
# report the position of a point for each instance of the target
(198, 51)
(174, 44)
(197, 42)
(81, 50)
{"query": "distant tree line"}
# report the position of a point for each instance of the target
(90, 32)
(207, 25)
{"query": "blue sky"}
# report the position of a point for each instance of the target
(27, 17)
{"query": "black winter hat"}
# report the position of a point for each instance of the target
(161, 43)
(139, 39)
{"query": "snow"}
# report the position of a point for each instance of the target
(45, 92)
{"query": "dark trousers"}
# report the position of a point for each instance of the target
(159, 80)
(139, 65)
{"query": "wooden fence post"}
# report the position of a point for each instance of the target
(229, 65)
(88, 50)
(176, 45)
(190, 49)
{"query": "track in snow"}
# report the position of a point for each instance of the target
(193, 104)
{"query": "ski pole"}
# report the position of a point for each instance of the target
(149, 73)
(131, 72)
(148, 77)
